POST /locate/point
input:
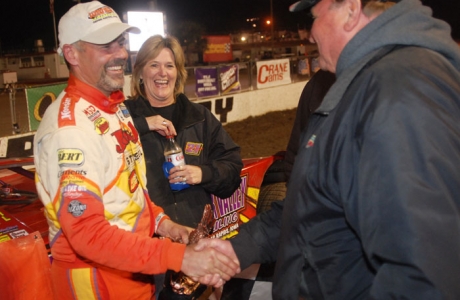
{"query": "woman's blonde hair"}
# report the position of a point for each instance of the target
(148, 51)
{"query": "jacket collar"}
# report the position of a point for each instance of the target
(185, 114)
(390, 29)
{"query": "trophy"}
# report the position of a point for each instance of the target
(178, 285)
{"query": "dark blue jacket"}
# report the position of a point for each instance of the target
(373, 204)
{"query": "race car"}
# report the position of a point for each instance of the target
(24, 228)
(21, 213)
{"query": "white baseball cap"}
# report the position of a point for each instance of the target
(92, 22)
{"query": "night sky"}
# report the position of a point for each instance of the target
(24, 21)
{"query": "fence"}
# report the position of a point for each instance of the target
(300, 69)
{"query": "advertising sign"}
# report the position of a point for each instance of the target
(206, 82)
(38, 100)
(273, 73)
(304, 67)
(229, 81)
(229, 212)
(219, 49)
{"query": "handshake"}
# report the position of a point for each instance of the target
(207, 261)
(210, 262)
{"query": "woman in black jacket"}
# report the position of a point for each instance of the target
(159, 108)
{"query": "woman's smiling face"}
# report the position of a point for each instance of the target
(159, 76)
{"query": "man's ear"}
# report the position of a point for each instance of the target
(354, 13)
(70, 54)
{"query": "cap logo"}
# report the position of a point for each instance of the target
(102, 14)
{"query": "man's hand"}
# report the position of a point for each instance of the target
(174, 231)
(210, 262)
(220, 245)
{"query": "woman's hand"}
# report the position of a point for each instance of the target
(189, 174)
(161, 125)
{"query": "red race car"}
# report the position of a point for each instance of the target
(22, 219)
(262, 181)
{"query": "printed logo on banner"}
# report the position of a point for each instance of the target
(206, 82)
(229, 81)
(273, 73)
(304, 67)
(38, 100)
(226, 211)
(219, 49)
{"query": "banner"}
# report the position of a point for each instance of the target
(314, 65)
(219, 49)
(38, 100)
(229, 79)
(304, 67)
(206, 82)
(230, 212)
(273, 73)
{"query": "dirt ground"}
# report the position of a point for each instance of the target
(262, 135)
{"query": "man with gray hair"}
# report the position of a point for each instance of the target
(91, 177)
(373, 204)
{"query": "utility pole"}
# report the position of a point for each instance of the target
(55, 32)
(54, 24)
(273, 25)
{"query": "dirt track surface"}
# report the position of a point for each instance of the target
(262, 135)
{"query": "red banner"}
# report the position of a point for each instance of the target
(219, 49)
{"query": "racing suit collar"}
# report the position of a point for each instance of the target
(94, 96)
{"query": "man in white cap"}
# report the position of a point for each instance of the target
(91, 177)
(372, 209)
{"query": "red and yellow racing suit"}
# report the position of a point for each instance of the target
(90, 175)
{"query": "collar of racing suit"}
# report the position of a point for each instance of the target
(94, 96)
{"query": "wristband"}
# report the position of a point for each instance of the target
(160, 218)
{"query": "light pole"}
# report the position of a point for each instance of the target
(54, 23)
(273, 23)
(55, 33)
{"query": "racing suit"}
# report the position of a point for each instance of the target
(372, 209)
(90, 176)
(205, 144)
